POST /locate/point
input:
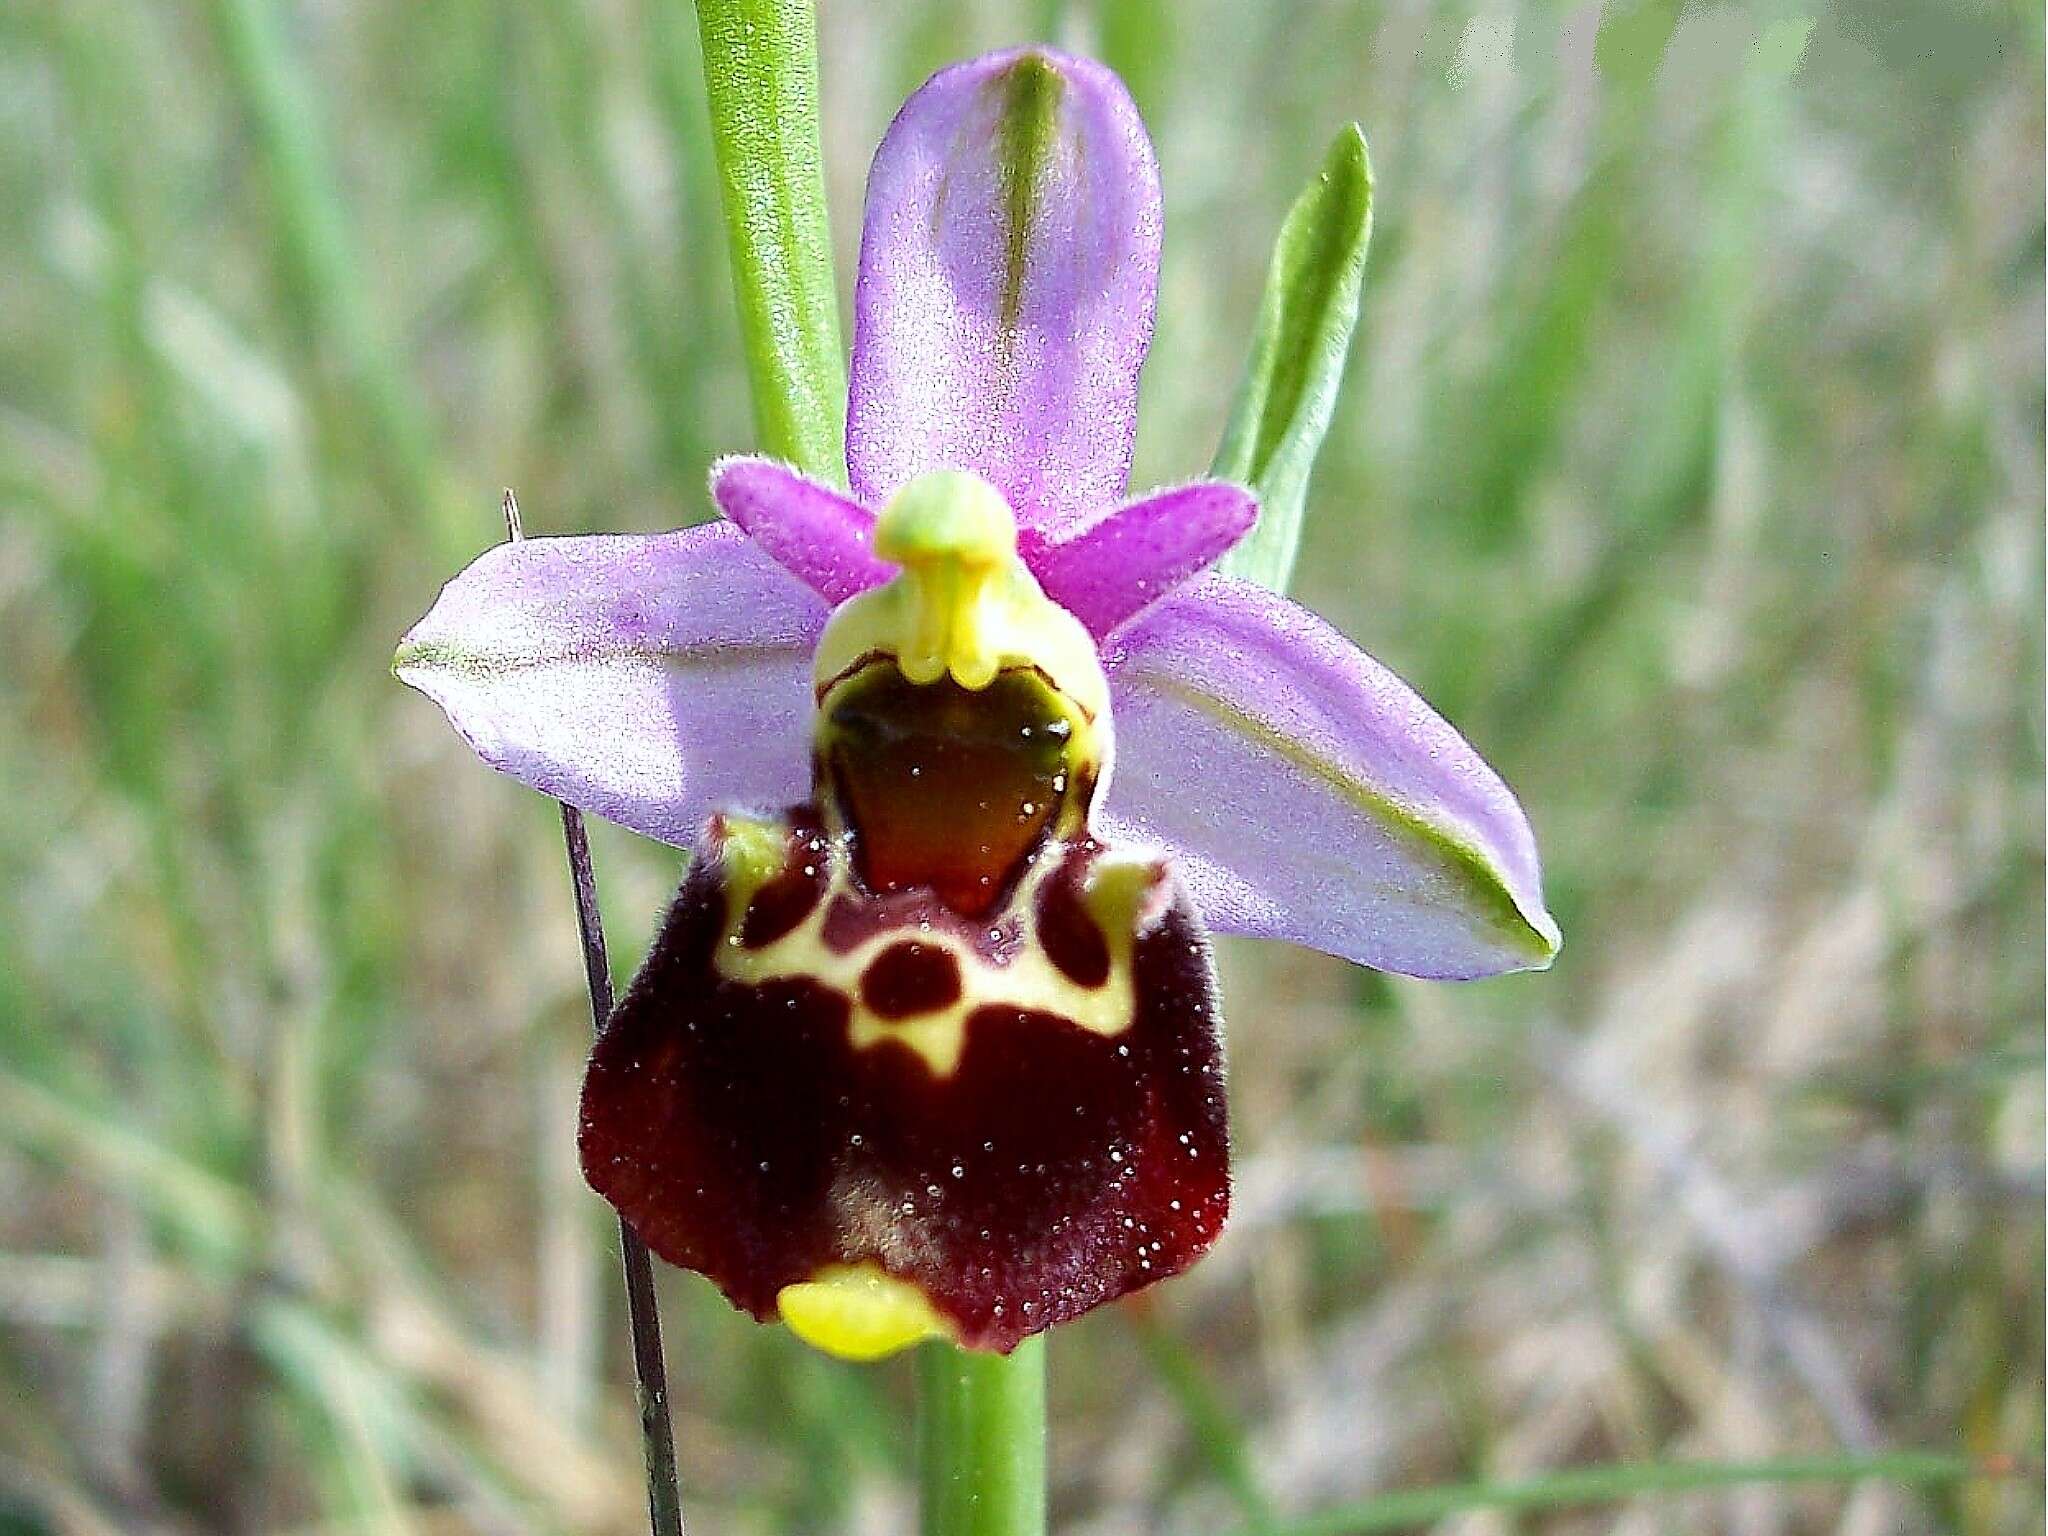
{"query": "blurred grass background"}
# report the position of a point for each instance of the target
(1691, 462)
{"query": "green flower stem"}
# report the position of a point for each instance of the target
(1604, 1485)
(981, 1440)
(761, 76)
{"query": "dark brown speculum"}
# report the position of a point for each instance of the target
(925, 1024)
(949, 788)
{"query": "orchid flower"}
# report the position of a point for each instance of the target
(937, 1051)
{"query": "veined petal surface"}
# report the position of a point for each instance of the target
(1310, 795)
(1008, 277)
(818, 535)
(647, 679)
(1111, 570)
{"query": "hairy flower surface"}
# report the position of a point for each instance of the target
(971, 758)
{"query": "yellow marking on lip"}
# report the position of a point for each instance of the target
(753, 852)
(1028, 979)
(859, 1312)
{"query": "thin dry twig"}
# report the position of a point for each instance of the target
(643, 1315)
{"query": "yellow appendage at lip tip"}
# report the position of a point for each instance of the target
(857, 1312)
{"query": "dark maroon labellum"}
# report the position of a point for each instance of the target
(744, 1135)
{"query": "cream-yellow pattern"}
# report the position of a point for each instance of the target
(1124, 895)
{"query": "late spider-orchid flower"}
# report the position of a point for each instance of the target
(936, 1052)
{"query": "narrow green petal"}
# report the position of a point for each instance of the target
(1297, 359)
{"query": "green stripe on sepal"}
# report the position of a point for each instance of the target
(1028, 133)
(1468, 870)
(1290, 384)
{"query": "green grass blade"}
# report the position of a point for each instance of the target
(321, 263)
(1215, 1433)
(1297, 359)
(1606, 1485)
(217, 1218)
(761, 74)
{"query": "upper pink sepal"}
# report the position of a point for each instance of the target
(1008, 274)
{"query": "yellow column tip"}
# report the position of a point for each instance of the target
(947, 515)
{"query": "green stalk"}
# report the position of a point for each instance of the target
(761, 76)
(981, 1440)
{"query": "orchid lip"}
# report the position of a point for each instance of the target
(978, 1162)
(951, 789)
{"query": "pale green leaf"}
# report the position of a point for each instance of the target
(1297, 358)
